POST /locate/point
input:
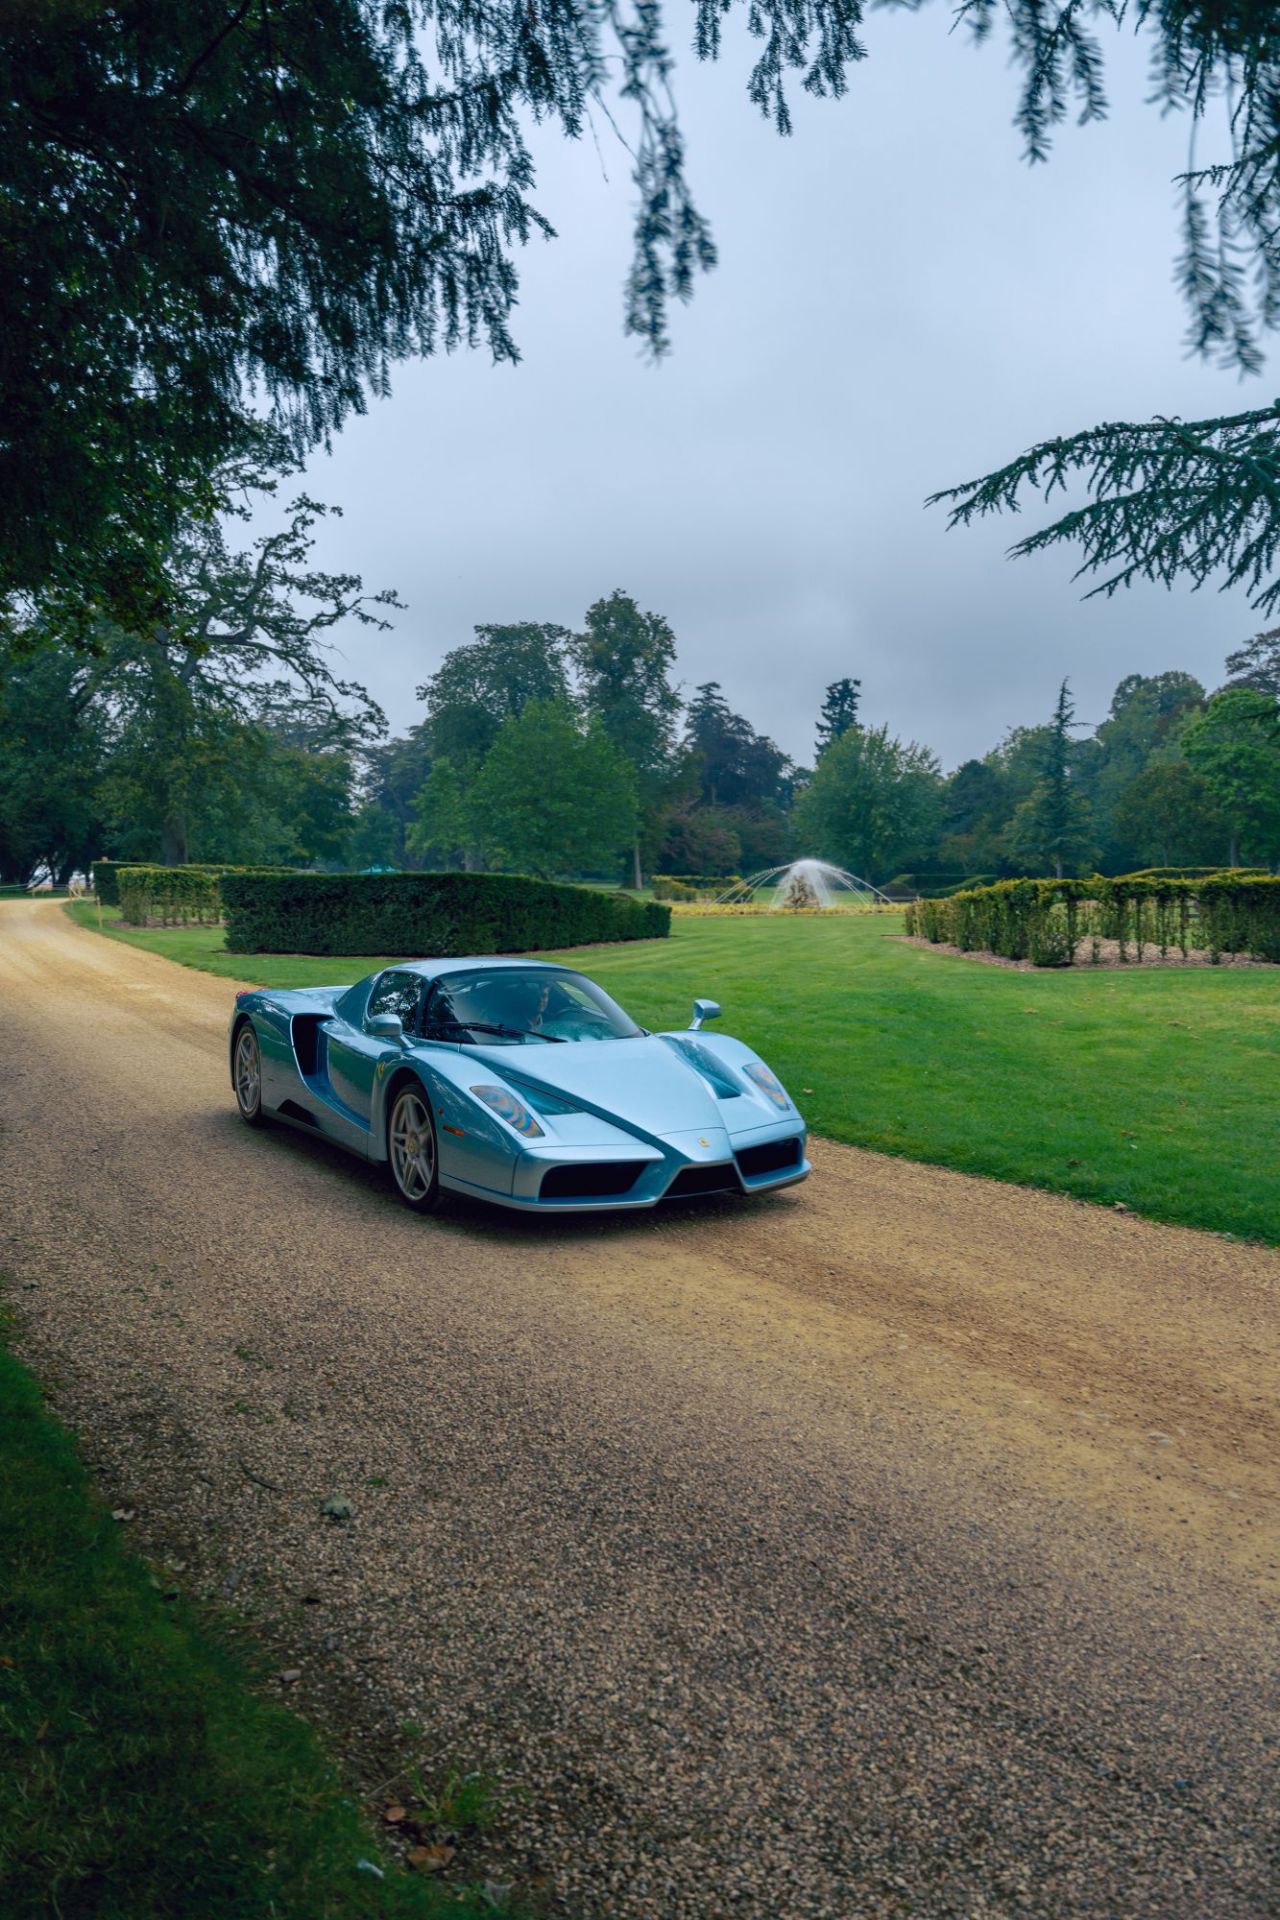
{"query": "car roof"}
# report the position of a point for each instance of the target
(432, 969)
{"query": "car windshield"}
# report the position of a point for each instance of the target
(515, 1006)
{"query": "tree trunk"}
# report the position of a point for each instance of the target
(1057, 866)
(174, 846)
(637, 873)
(1233, 852)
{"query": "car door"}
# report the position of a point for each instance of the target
(352, 1053)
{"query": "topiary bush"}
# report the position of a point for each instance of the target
(426, 913)
(692, 886)
(151, 896)
(1043, 920)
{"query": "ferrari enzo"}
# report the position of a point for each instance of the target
(518, 1082)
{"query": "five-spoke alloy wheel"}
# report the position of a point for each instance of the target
(246, 1072)
(411, 1149)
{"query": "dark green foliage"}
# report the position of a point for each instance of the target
(1169, 815)
(51, 765)
(873, 805)
(552, 797)
(624, 660)
(1235, 746)
(203, 201)
(839, 711)
(190, 883)
(1257, 665)
(140, 1776)
(491, 680)
(1044, 920)
(737, 765)
(426, 913)
(170, 896)
(106, 877)
(693, 886)
(222, 730)
(1168, 500)
(1052, 827)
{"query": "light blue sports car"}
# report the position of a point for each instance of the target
(516, 1081)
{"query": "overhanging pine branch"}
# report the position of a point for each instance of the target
(1167, 499)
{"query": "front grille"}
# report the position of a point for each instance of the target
(591, 1181)
(772, 1157)
(691, 1180)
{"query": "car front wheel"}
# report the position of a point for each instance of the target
(411, 1150)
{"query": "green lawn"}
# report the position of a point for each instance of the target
(141, 1777)
(1157, 1088)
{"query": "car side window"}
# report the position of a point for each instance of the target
(397, 993)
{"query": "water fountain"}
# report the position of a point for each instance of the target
(802, 886)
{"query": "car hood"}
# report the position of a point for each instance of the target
(641, 1083)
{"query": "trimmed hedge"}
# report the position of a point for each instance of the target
(426, 913)
(106, 874)
(151, 895)
(692, 886)
(1045, 920)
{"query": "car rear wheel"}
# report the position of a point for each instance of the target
(246, 1075)
(411, 1149)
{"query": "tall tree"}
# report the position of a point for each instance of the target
(488, 681)
(976, 807)
(245, 642)
(839, 711)
(874, 803)
(553, 796)
(624, 659)
(1146, 716)
(738, 765)
(1257, 665)
(392, 775)
(52, 756)
(1235, 746)
(1053, 824)
(1170, 818)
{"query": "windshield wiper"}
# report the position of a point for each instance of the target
(518, 1033)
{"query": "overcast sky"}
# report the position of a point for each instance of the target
(900, 304)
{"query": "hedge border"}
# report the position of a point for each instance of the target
(1044, 920)
(426, 913)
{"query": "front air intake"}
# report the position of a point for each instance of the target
(770, 1158)
(694, 1180)
(593, 1180)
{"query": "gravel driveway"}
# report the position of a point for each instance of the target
(901, 1545)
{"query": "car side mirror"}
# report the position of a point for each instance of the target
(704, 1010)
(385, 1026)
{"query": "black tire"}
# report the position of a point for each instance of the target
(246, 1075)
(412, 1158)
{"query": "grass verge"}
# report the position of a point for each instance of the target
(1158, 1089)
(140, 1775)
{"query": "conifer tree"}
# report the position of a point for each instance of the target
(839, 712)
(1053, 822)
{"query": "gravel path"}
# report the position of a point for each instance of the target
(904, 1545)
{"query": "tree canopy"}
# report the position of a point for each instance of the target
(553, 796)
(212, 206)
(874, 803)
(1235, 746)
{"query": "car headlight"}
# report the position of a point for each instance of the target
(769, 1084)
(503, 1102)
